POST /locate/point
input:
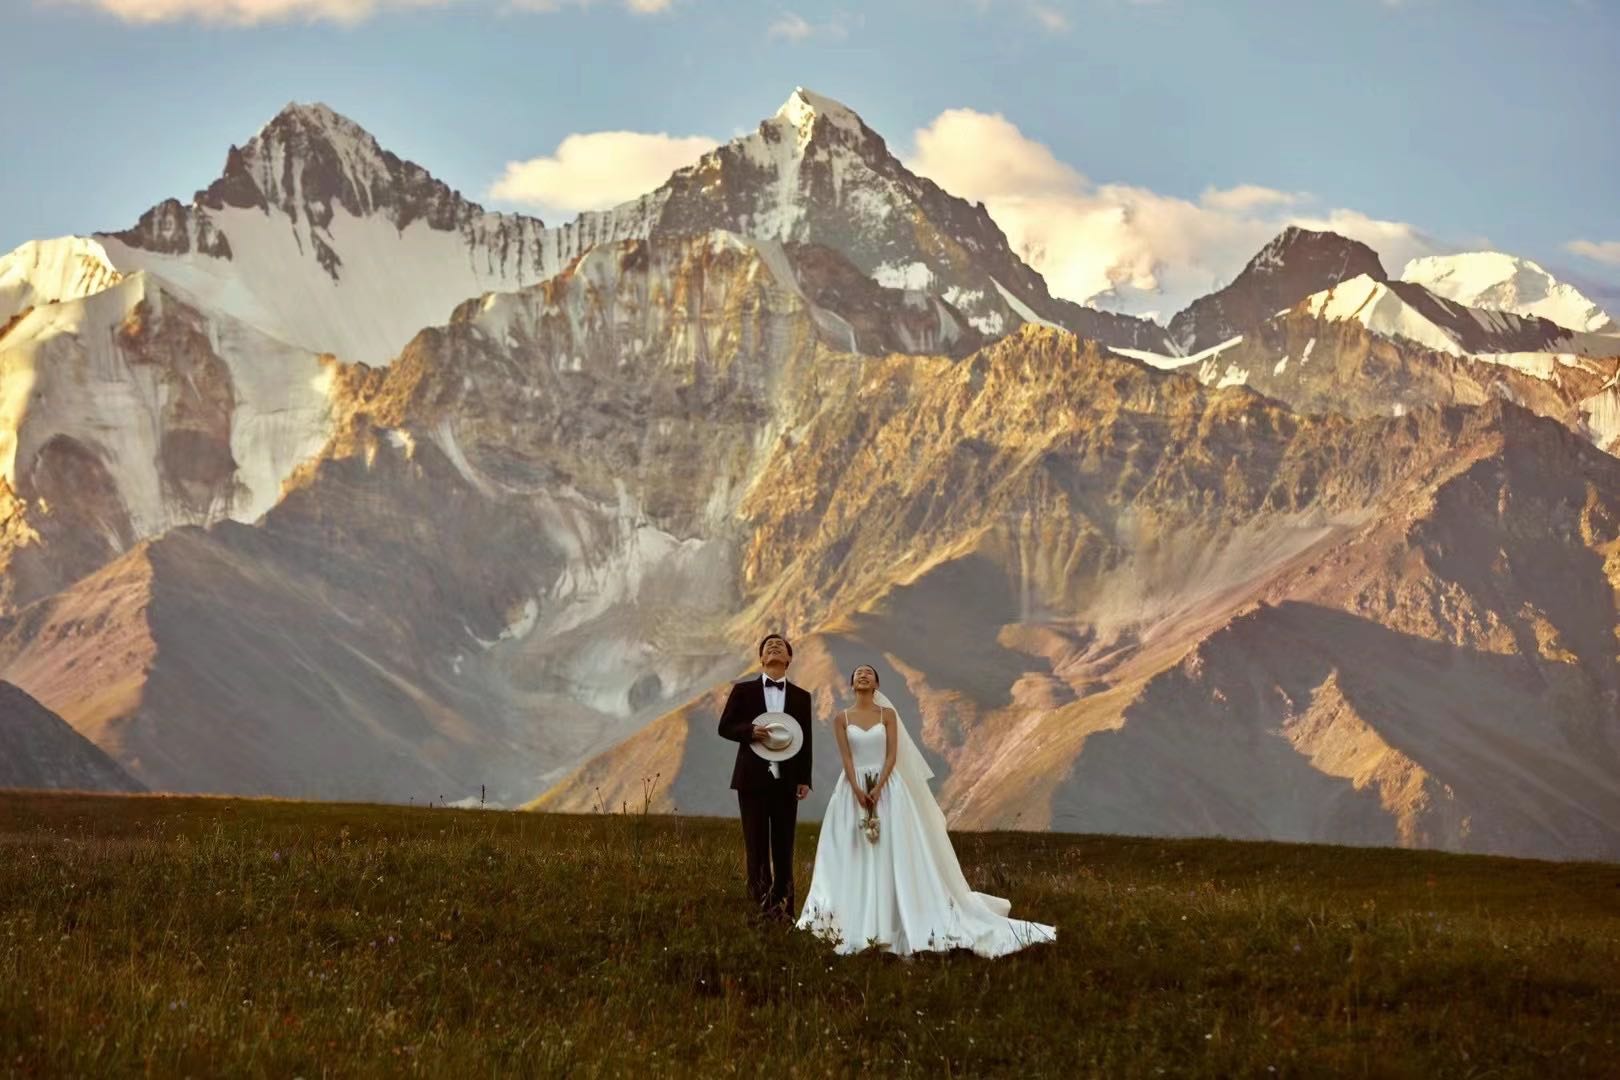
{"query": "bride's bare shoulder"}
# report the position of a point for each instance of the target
(889, 715)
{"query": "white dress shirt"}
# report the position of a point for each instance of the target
(775, 697)
(775, 701)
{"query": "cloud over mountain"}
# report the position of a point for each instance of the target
(598, 169)
(1121, 246)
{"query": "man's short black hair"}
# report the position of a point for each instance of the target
(777, 637)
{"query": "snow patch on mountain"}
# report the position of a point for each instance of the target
(1381, 310)
(1169, 362)
(1543, 366)
(1021, 309)
(1602, 415)
(50, 271)
(390, 284)
(912, 275)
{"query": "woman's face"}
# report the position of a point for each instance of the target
(865, 678)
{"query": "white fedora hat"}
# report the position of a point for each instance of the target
(783, 736)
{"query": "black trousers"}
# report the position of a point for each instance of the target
(768, 818)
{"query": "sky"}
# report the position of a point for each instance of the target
(1138, 151)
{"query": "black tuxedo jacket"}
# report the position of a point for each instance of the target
(747, 701)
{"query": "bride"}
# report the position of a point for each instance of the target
(903, 891)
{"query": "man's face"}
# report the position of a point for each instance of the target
(775, 655)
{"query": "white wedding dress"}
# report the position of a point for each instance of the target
(905, 893)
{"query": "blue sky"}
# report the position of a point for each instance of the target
(1461, 121)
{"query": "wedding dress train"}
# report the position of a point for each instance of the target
(906, 892)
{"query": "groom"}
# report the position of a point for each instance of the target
(769, 802)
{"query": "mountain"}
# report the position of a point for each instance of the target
(815, 173)
(1298, 263)
(1385, 358)
(173, 374)
(1367, 345)
(1404, 310)
(1116, 600)
(1499, 282)
(1330, 577)
(319, 237)
(518, 544)
(1341, 279)
(39, 750)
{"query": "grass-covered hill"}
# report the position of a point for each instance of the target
(211, 937)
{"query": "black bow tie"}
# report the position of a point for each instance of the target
(779, 685)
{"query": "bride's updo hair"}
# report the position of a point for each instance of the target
(875, 680)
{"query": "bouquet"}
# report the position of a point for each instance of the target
(869, 825)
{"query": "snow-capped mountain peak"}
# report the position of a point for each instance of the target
(815, 174)
(1297, 263)
(316, 235)
(1500, 282)
(310, 156)
(803, 107)
(1408, 311)
(314, 116)
(1296, 244)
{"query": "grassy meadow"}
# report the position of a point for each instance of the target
(213, 937)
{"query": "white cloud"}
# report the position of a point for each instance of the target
(791, 26)
(1009, 165)
(1248, 197)
(1116, 245)
(1048, 16)
(1603, 251)
(1051, 18)
(256, 12)
(250, 12)
(598, 169)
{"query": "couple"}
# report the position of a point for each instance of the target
(896, 885)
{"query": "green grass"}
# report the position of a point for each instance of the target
(210, 937)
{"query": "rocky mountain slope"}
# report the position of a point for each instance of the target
(1172, 609)
(1298, 263)
(528, 514)
(39, 750)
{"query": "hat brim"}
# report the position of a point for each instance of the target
(795, 736)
